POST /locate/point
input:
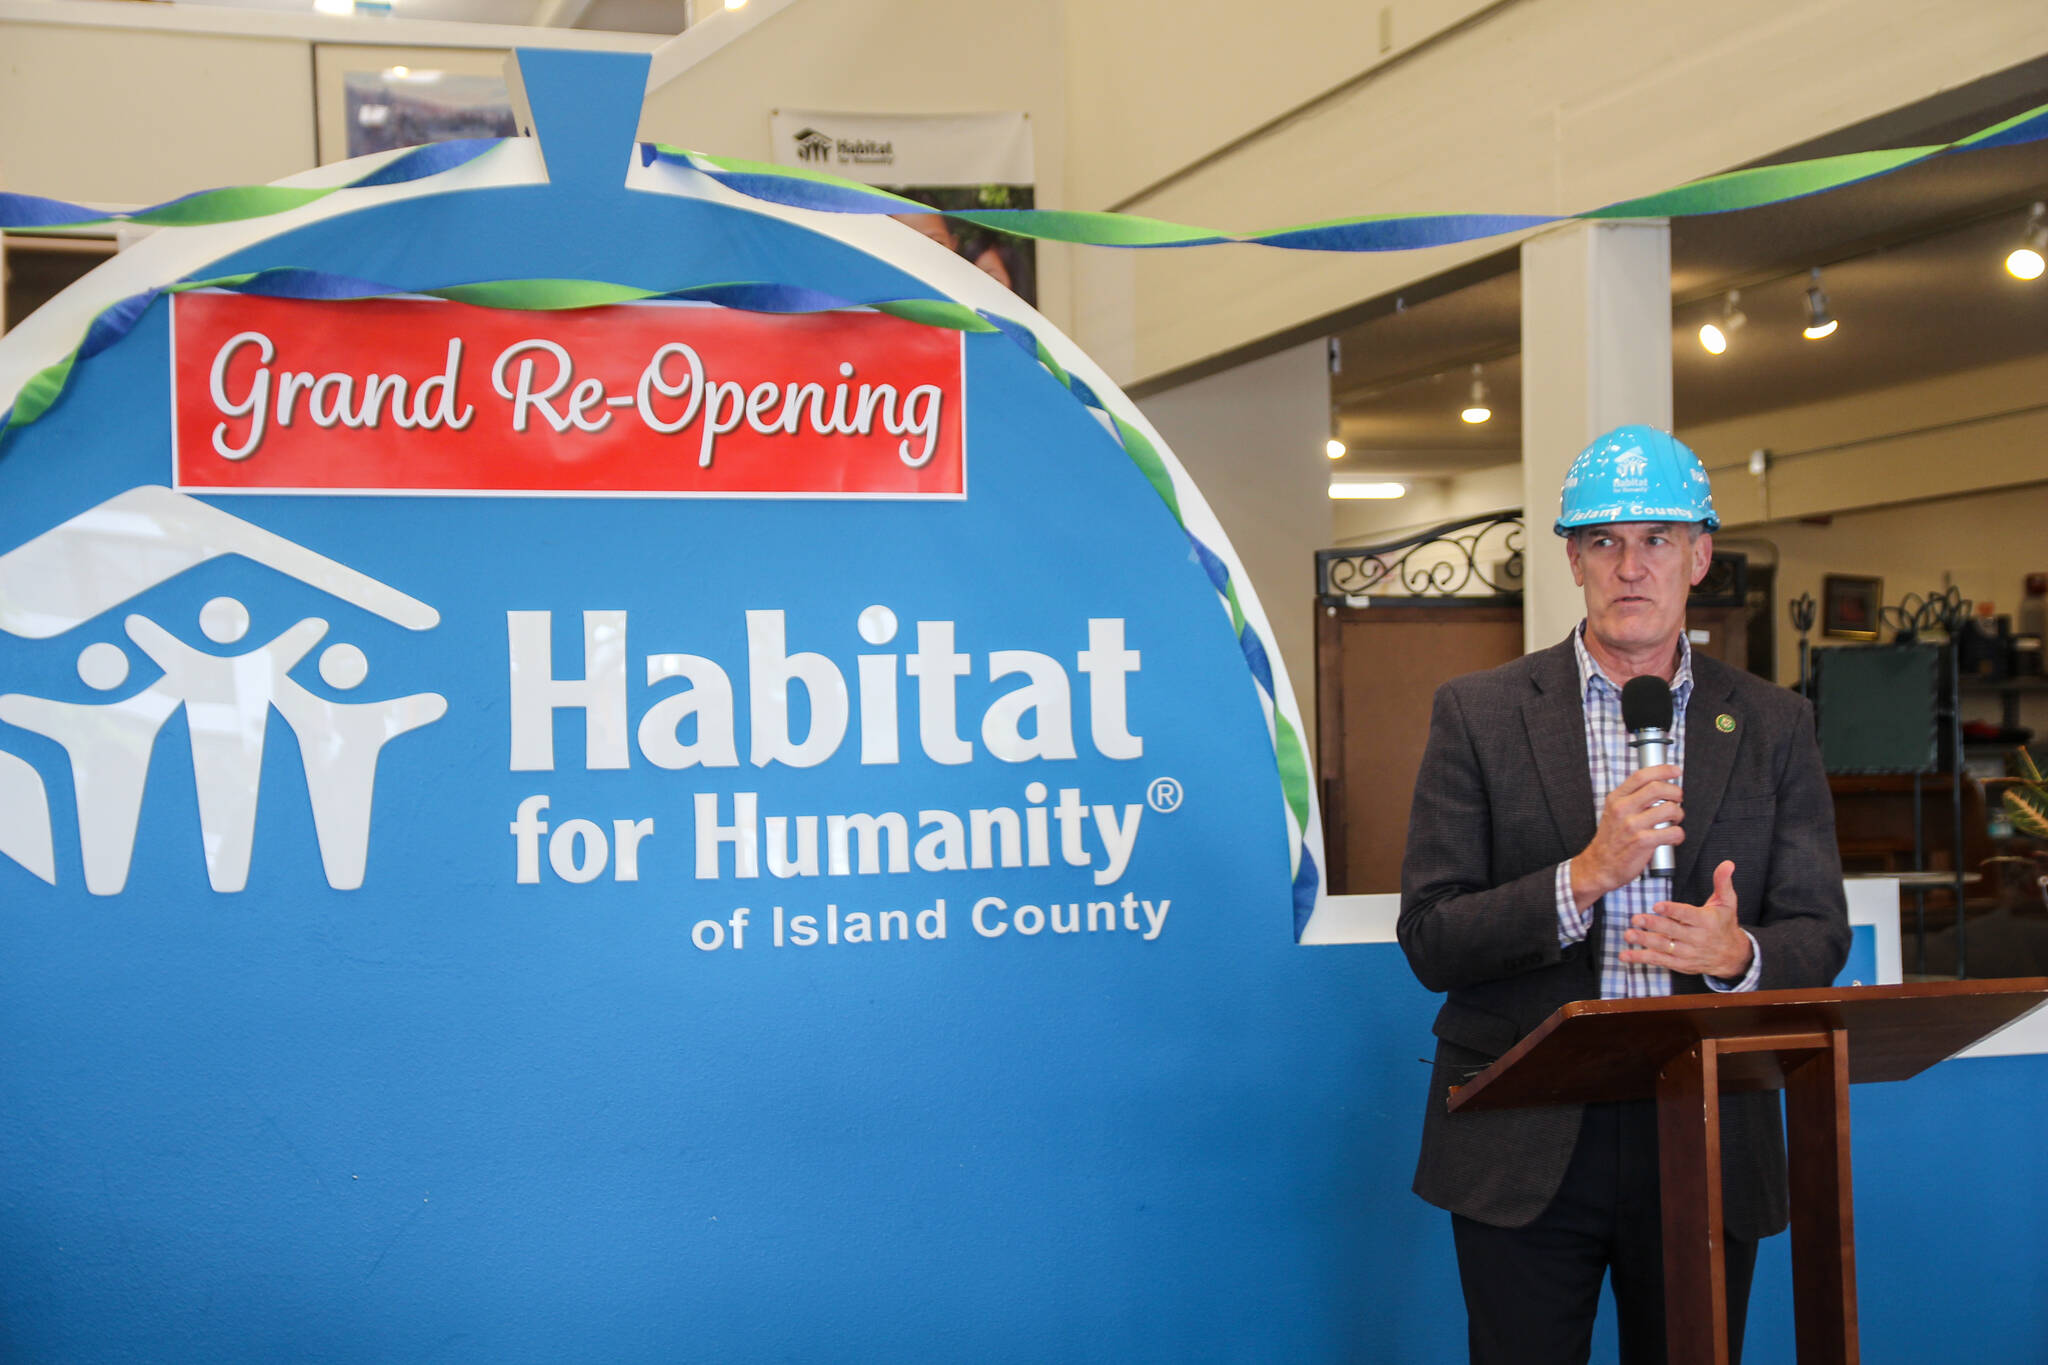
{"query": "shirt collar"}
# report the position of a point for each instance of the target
(1590, 672)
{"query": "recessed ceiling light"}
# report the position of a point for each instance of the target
(1334, 448)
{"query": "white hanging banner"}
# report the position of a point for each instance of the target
(907, 149)
(949, 161)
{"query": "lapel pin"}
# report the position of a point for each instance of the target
(1725, 723)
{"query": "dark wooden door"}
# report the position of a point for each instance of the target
(1721, 633)
(1376, 669)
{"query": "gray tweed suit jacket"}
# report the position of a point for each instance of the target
(1503, 797)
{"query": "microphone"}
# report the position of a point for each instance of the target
(1646, 711)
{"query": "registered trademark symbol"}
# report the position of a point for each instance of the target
(1163, 795)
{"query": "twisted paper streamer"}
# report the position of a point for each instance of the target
(44, 390)
(801, 187)
(32, 214)
(805, 188)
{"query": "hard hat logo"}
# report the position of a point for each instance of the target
(1636, 473)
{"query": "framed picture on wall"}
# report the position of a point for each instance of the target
(1849, 606)
(374, 99)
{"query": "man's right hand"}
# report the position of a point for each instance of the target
(1629, 832)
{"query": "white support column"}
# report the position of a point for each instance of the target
(1596, 352)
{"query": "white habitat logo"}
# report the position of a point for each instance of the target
(76, 572)
(1631, 465)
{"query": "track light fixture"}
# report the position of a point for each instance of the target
(1714, 335)
(2030, 257)
(1476, 410)
(1820, 321)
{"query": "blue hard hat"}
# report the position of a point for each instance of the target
(1636, 473)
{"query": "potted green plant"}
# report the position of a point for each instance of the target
(2026, 797)
(2026, 806)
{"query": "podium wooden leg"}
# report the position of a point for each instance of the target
(1689, 1160)
(1823, 1217)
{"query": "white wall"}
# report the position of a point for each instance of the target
(116, 116)
(1153, 70)
(1252, 439)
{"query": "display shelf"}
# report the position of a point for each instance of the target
(2002, 686)
(2009, 691)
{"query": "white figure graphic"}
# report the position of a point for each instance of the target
(25, 818)
(227, 709)
(339, 743)
(124, 546)
(110, 746)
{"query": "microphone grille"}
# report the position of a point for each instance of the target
(1646, 704)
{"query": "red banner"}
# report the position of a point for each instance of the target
(416, 395)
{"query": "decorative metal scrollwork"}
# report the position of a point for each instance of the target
(1474, 562)
(1914, 615)
(1803, 609)
(1477, 561)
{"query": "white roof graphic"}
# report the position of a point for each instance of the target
(135, 540)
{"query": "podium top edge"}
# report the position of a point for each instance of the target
(1810, 995)
(1617, 1049)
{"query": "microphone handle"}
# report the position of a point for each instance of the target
(1653, 748)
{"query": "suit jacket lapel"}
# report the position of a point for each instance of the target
(1709, 758)
(1554, 717)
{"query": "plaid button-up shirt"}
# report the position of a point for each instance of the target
(1609, 761)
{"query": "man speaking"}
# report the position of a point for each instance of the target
(1528, 883)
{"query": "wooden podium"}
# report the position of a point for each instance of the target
(1685, 1051)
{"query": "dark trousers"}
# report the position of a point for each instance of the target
(1531, 1293)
